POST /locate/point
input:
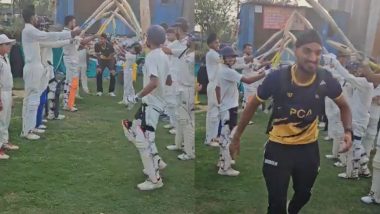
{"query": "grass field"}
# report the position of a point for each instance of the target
(247, 193)
(85, 165)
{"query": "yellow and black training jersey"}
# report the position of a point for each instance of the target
(297, 105)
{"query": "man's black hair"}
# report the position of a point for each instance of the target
(68, 19)
(28, 12)
(247, 45)
(211, 38)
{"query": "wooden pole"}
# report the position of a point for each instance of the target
(145, 15)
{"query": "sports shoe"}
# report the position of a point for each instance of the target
(121, 102)
(213, 143)
(369, 199)
(149, 185)
(38, 131)
(185, 157)
(73, 109)
(78, 97)
(322, 125)
(86, 90)
(3, 156)
(44, 121)
(168, 126)
(345, 176)
(31, 136)
(99, 94)
(172, 131)
(251, 122)
(60, 117)
(365, 173)
(10, 146)
(42, 127)
(327, 138)
(339, 164)
(173, 147)
(228, 172)
(331, 156)
(112, 94)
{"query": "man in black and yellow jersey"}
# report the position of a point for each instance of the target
(292, 151)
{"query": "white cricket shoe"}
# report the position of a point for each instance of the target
(339, 164)
(322, 125)
(32, 136)
(60, 117)
(173, 131)
(149, 185)
(213, 143)
(42, 127)
(99, 94)
(10, 146)
(168, 126)
(228, 172)
(327, 138)
(38, 131)
(44, 121)
(185, 157)
(3, 156)
(73, 109)
(112, 94)
(173, 147)
(331, 156)
(345, 176)
(369, 199)
(365, 173)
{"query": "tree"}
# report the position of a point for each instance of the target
(216, 16)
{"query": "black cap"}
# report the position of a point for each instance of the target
(308, 36)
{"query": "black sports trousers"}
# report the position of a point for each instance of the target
(282, 162)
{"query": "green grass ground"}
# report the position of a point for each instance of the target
(247, 192)
(85, 165)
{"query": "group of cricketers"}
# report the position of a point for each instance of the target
(346, 90)
(297, 95)
(168, 89)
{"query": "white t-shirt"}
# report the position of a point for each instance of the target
(156, 64)
(229, 94)
(6, 78)
(187, 78)
(212, 65)
(70, 52)
(130, 59)
(177, 65)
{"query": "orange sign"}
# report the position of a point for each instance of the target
(276, 17)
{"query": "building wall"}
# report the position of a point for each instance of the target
(161, 11)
